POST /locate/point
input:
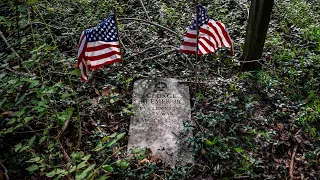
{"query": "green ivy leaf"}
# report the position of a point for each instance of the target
(123, 164)
(27, 119)
(108, 168)
(35, 159)
(86, 158)
(45, 132)
(84, 173)
(24, 148)
(17, 147)
(104, 177)
(42, 139)
(238, 150)
(120, 135)
(32, 140)
(65, 95)
(12, 120)
(51, 173)
(34, 83)
(110, 143)
(31, 2)
(76, 72)
(32, 168)
(72, 169)
(81, 165)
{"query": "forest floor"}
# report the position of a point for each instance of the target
(261, 124)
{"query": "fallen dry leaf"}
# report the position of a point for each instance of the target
(280, 126)
(7, 113)
(96, 91)
(106, 91)
(143, 161)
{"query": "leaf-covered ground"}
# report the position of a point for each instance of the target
(246, 125)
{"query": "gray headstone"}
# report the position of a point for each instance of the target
(162, 115)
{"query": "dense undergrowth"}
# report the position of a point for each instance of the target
(249, 125)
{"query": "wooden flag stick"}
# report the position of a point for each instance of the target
(197, 47)
(122, 60)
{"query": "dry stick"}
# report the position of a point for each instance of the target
(152, 23)
(123, 46)
(246, 13)
(5, 171)
(197, 46)
(41, 23)
(157, 56)
(64, 127)
(105, 161)
(145, 11)
(20, 73)
(148, 49)
(122, 60)
(14, 51)
(182, 55)
(292, 162)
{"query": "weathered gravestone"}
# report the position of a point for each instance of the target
(162, 110)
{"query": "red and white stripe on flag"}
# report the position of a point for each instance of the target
(212, 36)
(82, 65)
(93, 55)
(100, 53)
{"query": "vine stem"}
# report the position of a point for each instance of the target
(14, 51)
(105, 161)
(122, 60)
(152, 23)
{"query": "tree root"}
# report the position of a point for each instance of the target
(292, 162)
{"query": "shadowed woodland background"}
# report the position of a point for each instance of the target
(261, 124)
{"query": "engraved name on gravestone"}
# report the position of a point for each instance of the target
(162, 111)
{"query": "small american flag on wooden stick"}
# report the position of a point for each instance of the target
(213, 35)
(98, 46)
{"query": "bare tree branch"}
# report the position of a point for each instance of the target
(14, 51)
(152, 23)
(145, 11)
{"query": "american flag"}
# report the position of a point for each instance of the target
(212, 35)
(98, 46)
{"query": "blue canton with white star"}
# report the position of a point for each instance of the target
(203, 18)
(106, 31)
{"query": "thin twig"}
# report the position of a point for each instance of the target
(32, 131)
(157, 56)
(14, 51)
(136, 54)
(145, 11)
(64, 127)
(90, 78)
(122, 45)
(246, 13)
(5, 171)
(152, 23)
(20, 73)
(182, 55)
(292, 162)
(105, 161)
(51, 26)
